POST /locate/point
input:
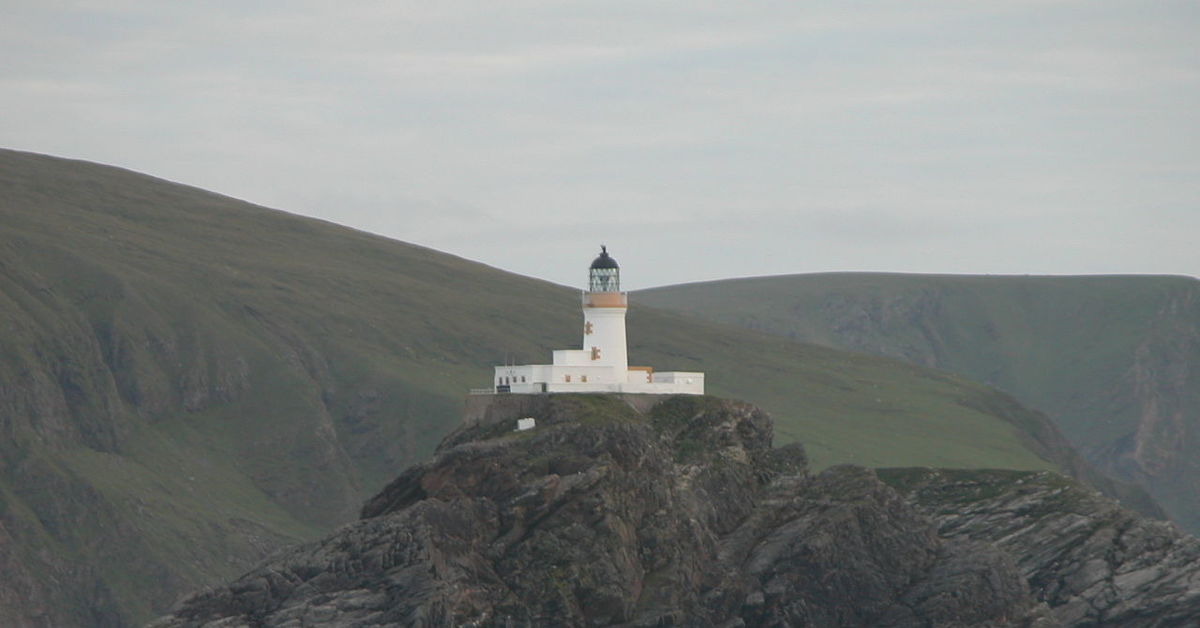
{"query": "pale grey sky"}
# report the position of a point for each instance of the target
(699, 140)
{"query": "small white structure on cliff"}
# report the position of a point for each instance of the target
(602, 365)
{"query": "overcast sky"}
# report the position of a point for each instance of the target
(699, 140)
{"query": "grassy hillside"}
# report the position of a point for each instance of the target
(188, 381)
(1112, 359)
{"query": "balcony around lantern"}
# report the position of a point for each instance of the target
(605, 299)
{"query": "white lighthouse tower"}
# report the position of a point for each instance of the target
(604, 308)
(602, 365)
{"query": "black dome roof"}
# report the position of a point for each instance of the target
(604, 261)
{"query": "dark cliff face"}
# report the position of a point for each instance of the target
(602, 516)
(1092, 561)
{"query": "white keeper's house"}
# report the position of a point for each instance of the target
(602, 365)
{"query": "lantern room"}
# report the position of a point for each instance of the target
(605, 274)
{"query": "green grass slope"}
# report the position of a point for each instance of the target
(1112, 359)
(188, 382)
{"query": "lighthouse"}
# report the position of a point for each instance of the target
(602, 364)
(604, 308)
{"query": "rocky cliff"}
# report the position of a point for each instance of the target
(1095, 563)
(685, 515)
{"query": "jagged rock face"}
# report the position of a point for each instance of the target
(601, 516)
(842, 549)
(1093, 562)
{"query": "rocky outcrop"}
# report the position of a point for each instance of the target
(684, 515)
(605, 516)
(1095, 563)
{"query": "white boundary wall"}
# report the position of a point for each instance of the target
(538, 378)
